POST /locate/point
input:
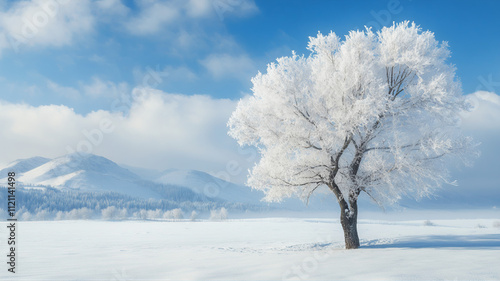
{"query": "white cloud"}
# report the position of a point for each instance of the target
(58, 23)
(44, 23)
(224, 65)
(155, 15)
(220, 8)
(160, 131)
(32, 130)
(67, 92)
(199, 8)
(483, 124)
(164, 130)
(153, 77)
(485, 114)
(97, 59)
(191, 26)
(152, 17)
(98, 88)
(111, 7)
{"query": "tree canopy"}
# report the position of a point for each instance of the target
(377, 112)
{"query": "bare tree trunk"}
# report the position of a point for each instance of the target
(349, 221)
(348, 217)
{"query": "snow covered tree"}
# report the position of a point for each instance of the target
(223, 213)
(177, 214)
(113, 213)
(194, 215)
(219, 215)
(376, 113)
(109, 213)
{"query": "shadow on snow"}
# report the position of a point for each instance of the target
(438, 241)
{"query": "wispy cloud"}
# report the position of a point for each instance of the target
(485, 113)
(98, 88)
(161, 130)
(229, 66)
(152, 17)
(191, 27)
(44, 23)
(57, 23)
(67, 92)
(111, 7)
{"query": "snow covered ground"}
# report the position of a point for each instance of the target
(257, 249)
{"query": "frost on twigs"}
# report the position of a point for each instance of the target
(375, 113)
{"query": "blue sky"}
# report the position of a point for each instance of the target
(68, 65)
(113, 49)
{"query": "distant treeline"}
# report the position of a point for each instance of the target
(49, 201)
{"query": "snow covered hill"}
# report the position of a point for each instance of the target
(94, 173)
(60, 171)
(23, 165)
(83, 172)
(210, 186)
(213, 187)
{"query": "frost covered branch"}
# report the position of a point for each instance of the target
(374, 113)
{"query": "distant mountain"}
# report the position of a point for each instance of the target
(92, 173)
(468, 195)
(144, 173)
(210, 186)
(213, 187)
(23, 165)
(87, 172)
(58, 171)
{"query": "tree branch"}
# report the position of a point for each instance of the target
(387, 147)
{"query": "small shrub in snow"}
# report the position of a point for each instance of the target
(175, 214)
(218, 215)
(480, 226)
(141, 214)
(85, 213)
(113, 213)
(154, 214)
(213, 215)
(148, 214)
(79, 214)
(223, 213)
(26, 216)
(168, 215)
(75, 214)
(3, 214)
(194, 215)
(108, 213)
(123, 214)
(42, 215)
(428, 223)
(496, 224)
(59, 216)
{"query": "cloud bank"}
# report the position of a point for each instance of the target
(163, 130)
(43, 23)
(58, 23)
(160, 130)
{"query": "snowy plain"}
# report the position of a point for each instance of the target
(394, 247)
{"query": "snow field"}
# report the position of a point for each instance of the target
(256, 249)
